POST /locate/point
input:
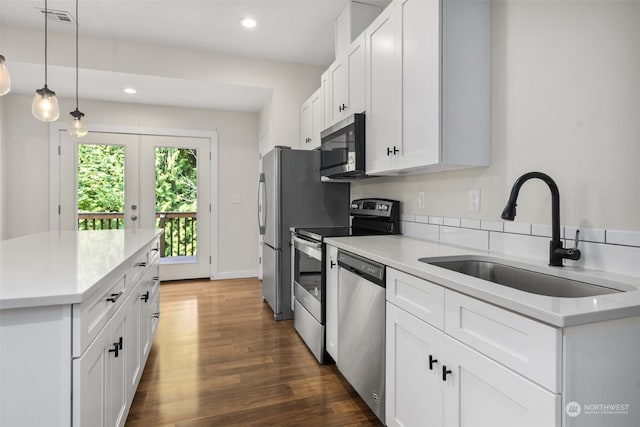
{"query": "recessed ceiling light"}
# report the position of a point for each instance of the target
(129, 90)
(248, 22)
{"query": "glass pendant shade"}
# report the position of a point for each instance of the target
(5, 80)
(45, 105)
(77, 125)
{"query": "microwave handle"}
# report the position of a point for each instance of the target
(262, 204)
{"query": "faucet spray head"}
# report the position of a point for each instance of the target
(509, 212)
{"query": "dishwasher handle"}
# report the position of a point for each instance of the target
(367, 269)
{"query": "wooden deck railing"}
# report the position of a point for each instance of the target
(180, 229)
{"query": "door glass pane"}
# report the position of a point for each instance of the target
(176, 202)
(100, 187)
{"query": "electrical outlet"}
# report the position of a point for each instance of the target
(474, 200)
(422, 200)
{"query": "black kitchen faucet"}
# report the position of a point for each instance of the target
(556, 252)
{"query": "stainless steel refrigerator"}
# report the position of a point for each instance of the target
(290, 194)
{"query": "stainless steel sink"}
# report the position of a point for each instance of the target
(521, 279)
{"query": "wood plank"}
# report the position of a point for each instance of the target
(219, 359)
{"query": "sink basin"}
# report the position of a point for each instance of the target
(521, 279)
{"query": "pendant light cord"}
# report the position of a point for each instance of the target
(46, 18)
(76, 54)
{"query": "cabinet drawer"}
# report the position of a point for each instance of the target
(419, 297)
(138, 265)
(90, 316)
(528, 347)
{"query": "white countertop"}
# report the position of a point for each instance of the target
(402, 253)
(63, 267)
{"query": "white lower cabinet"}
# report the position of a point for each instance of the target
(433, 379)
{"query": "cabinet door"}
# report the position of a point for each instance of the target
(419, 30)
(413, 371)
(325, 87)
(357, 76)
(134, 336)
(116, 395)
(383, 84)
(90, 384)
(332, 302)
(339, 75)
(305, 124)
(317, 119)
(481, 392)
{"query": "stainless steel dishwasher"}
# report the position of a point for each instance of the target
(361, 328)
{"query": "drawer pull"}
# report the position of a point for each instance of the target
(155, 278)
(141, 264)
(114, 297)
(156, 315)
(145, 297)
(432, 361)
(117, 346)
(445, 372)
(155, 249)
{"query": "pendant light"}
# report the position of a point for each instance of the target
(77, 126)
(45, 103)
(5, 80)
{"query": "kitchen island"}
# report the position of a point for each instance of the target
(462, 348)
(78, 313)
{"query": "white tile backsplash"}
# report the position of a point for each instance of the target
(612, 258)
(616, 251)
(452, 222)
(407, 217)
(620, 237)
(470, 223)
(519, 245)
(543, 230)
(476, 239)
(438, 220)
(517, 227)
(492, 225)
(422, 218)
(421, 231)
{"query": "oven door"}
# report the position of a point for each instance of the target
(308, 277)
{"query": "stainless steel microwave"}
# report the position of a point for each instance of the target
(342, 148)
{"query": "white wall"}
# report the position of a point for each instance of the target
(565, 101)
(27, 167)
(291, 83)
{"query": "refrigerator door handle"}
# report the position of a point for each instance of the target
(262, 204)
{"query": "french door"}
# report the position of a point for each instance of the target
(130, 181)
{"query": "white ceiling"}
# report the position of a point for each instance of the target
(300, 31)
(288, 30)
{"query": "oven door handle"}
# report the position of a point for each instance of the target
(313, 249)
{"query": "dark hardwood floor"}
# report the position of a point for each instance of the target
(219, 359)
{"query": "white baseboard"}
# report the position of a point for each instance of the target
(234, 274)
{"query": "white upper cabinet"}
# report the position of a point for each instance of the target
(311, 121)
(347, 83)
(428, 86)
(351, 22)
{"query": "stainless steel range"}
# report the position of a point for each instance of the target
(369, 217)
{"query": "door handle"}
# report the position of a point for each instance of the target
(262, 204)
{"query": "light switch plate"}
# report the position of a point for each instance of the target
(474, 200)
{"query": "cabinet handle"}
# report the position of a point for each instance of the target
(117, 347)
(344, 107)
(332, 264)
(156, 315)
(114, 297)
(340, 108)
(388, 151)
(155, 278)
(155, 250)
(445, 372)
(432, 361)
(395, 150)
(141, 264)
(145, 297)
